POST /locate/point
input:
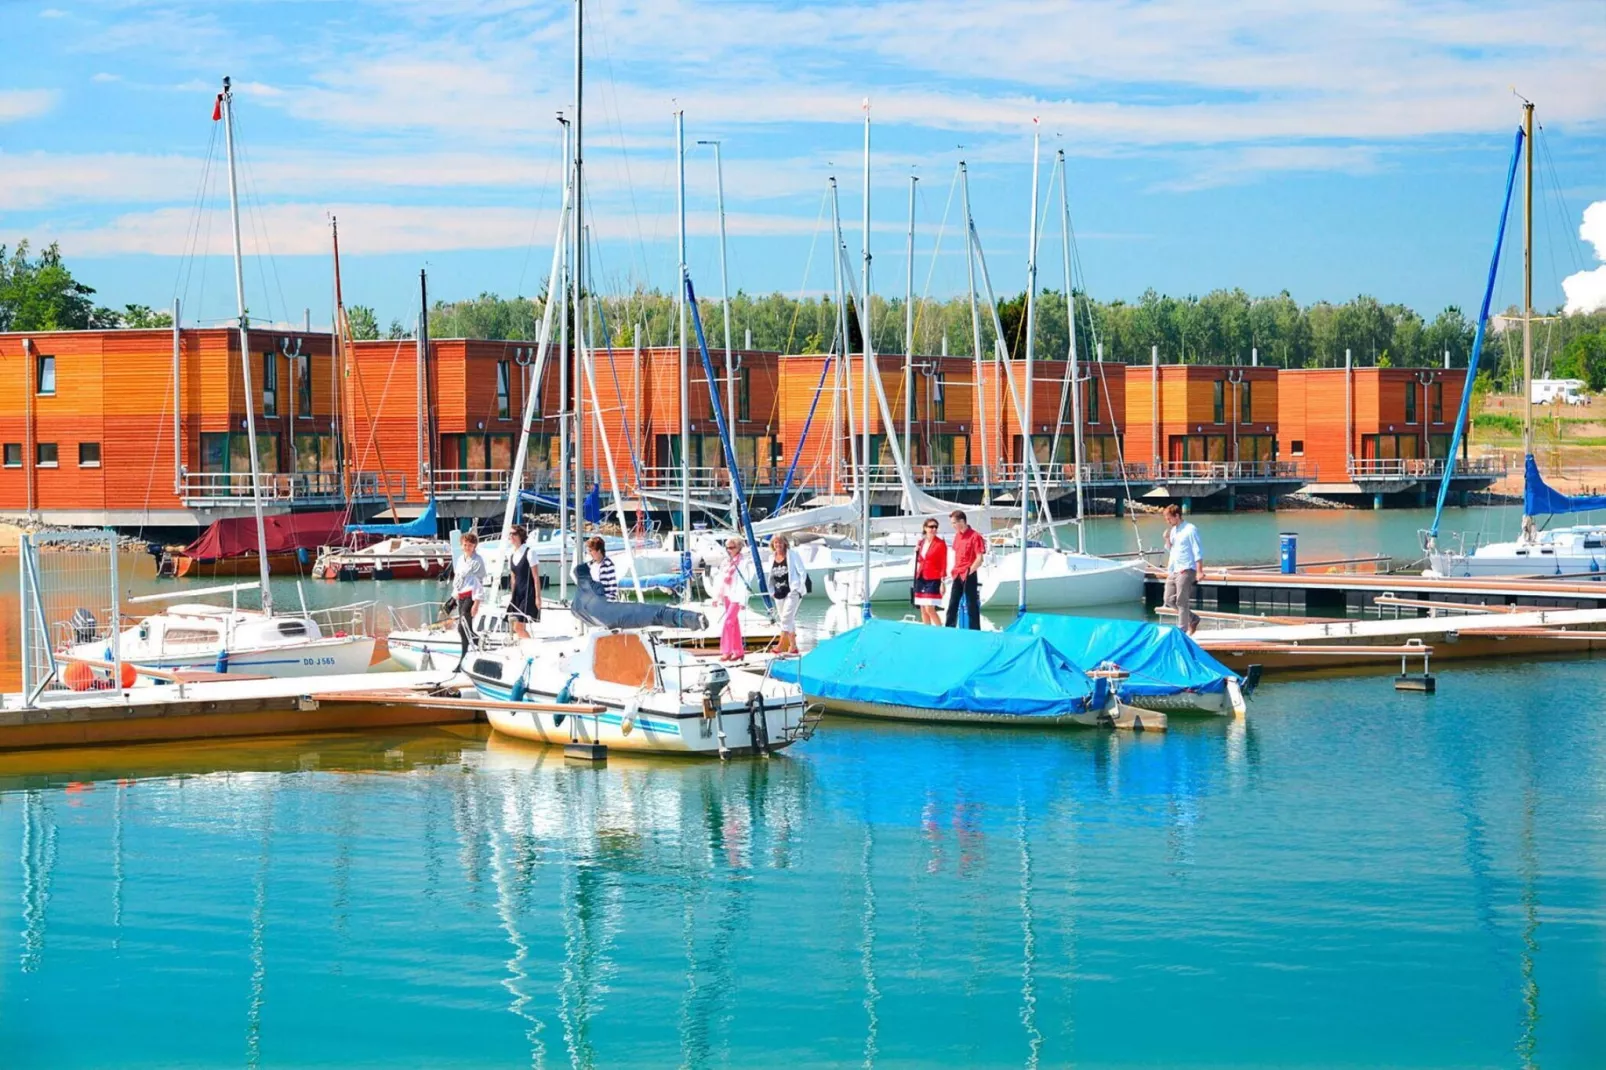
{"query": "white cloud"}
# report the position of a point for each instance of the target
(1586, 291)
(1224, 167)
(25, 103)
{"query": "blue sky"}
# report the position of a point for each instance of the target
(1327, 147)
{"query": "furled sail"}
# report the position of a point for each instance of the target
(1540, 499)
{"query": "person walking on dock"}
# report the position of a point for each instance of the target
(931, 564)
(468, 586)
(524, 597)
(730, 594)
(789, 579)
(968, 549)
(1183, 564)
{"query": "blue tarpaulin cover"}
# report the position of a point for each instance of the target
(422, 528)
(898, 664)
(1538, 499)
(1160, 659)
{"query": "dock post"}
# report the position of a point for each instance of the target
(1232, 497)
(1377, 501)
(1187, 506)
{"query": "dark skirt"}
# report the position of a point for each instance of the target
(927, 592)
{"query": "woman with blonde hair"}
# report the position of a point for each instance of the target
(789, 579)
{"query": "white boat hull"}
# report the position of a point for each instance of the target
(1115, 715)
(1057, 580)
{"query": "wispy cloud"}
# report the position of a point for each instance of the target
(18, 104)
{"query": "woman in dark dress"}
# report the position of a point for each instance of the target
(524, 600)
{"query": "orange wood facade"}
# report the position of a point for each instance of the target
(1382, 414)
(1198, 412)
(100, 438)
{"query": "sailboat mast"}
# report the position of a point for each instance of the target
(561, 296)
(227, 100)
(680, 299)
(844, 368)
(909, 331)
(1076, 379)
(337, 385)
(420, 368)
(1527, 279)
(1026, 403)
(577, 272)
(869, 367)
(979, 402)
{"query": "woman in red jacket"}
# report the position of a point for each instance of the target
(931, 564)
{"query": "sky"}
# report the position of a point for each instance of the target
(1327, 147)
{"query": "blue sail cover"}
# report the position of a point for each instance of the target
(424, 527)
(897, 664)
(1160, 659)
(1538, 499)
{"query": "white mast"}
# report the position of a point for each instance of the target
(577, 274)
(909, 332)
(979, 403)
(725, 305)
(680, 299)
(227, 99)
(562, 298)
(1076, 380)
(1027, 454)
(845, 365)
(869, 366)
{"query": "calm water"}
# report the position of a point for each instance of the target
(1355, 877)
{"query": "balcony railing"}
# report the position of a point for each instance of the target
(1230, 471)
(1372, 468)
(288, 488)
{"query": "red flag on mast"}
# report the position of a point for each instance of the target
(217, 108)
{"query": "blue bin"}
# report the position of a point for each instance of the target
(1288, 552)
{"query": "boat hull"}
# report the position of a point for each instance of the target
(342, 656)
(1105, 583)
(1115, 715)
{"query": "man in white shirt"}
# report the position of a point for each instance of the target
(1184, 562)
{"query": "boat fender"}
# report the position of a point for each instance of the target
(222, 665)
(519, 685)
(564, 696)
(627, 723)
(303, 556)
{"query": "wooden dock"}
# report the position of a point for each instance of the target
(1339, 593)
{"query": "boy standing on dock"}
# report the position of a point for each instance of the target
(1184, 562)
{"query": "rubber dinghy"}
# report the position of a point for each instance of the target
(914, 672)
(1165, 669)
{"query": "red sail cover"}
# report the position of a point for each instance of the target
(286, 533)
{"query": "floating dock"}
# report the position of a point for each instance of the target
(226, 708)
(1315, 593)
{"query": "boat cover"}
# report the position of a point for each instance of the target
(424, 527)
(1539, 499)
(285, 532)
(1158, 658)
(895, 663)
(591, 606)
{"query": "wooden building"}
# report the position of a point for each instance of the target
(1357, 423)
(146, 428)
(1185, 418)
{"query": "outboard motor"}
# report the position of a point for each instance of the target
(84, 626)
(716, 680)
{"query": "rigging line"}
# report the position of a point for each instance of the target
(544, 186)
(259, 226)
(599, 20)
(797, 309)
(192, 230)
(607, 341)
(936, 250)
(1559, 199)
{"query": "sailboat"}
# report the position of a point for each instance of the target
(1574, 550)
(230, 638)
(1052, 577)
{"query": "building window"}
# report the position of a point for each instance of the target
(939, 399)
(1297, 447)
(214, 451)
(270, 384)
(1246, 402)
(1410, 403)
(89, 455)
(504, 390)
(1218, 401)
(44, 454)
(304, 386)
(13, 455)
(744, 394)
(1092, 406)
(46, 380)
(1438, 402)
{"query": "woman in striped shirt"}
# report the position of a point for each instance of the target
(602, 568)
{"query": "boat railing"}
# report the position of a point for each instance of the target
(354, 618)
(202, 488)
(416, 617)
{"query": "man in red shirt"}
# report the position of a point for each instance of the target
(966, 555)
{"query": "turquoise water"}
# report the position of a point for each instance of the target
(1355, 877)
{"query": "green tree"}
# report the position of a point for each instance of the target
(364, 326)
(41, 294)
(1584, 358)
(144, 317)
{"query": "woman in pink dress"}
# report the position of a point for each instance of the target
(730, 594)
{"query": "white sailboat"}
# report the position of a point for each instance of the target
(231, 638)
(1573, 550)
(1047, 576)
